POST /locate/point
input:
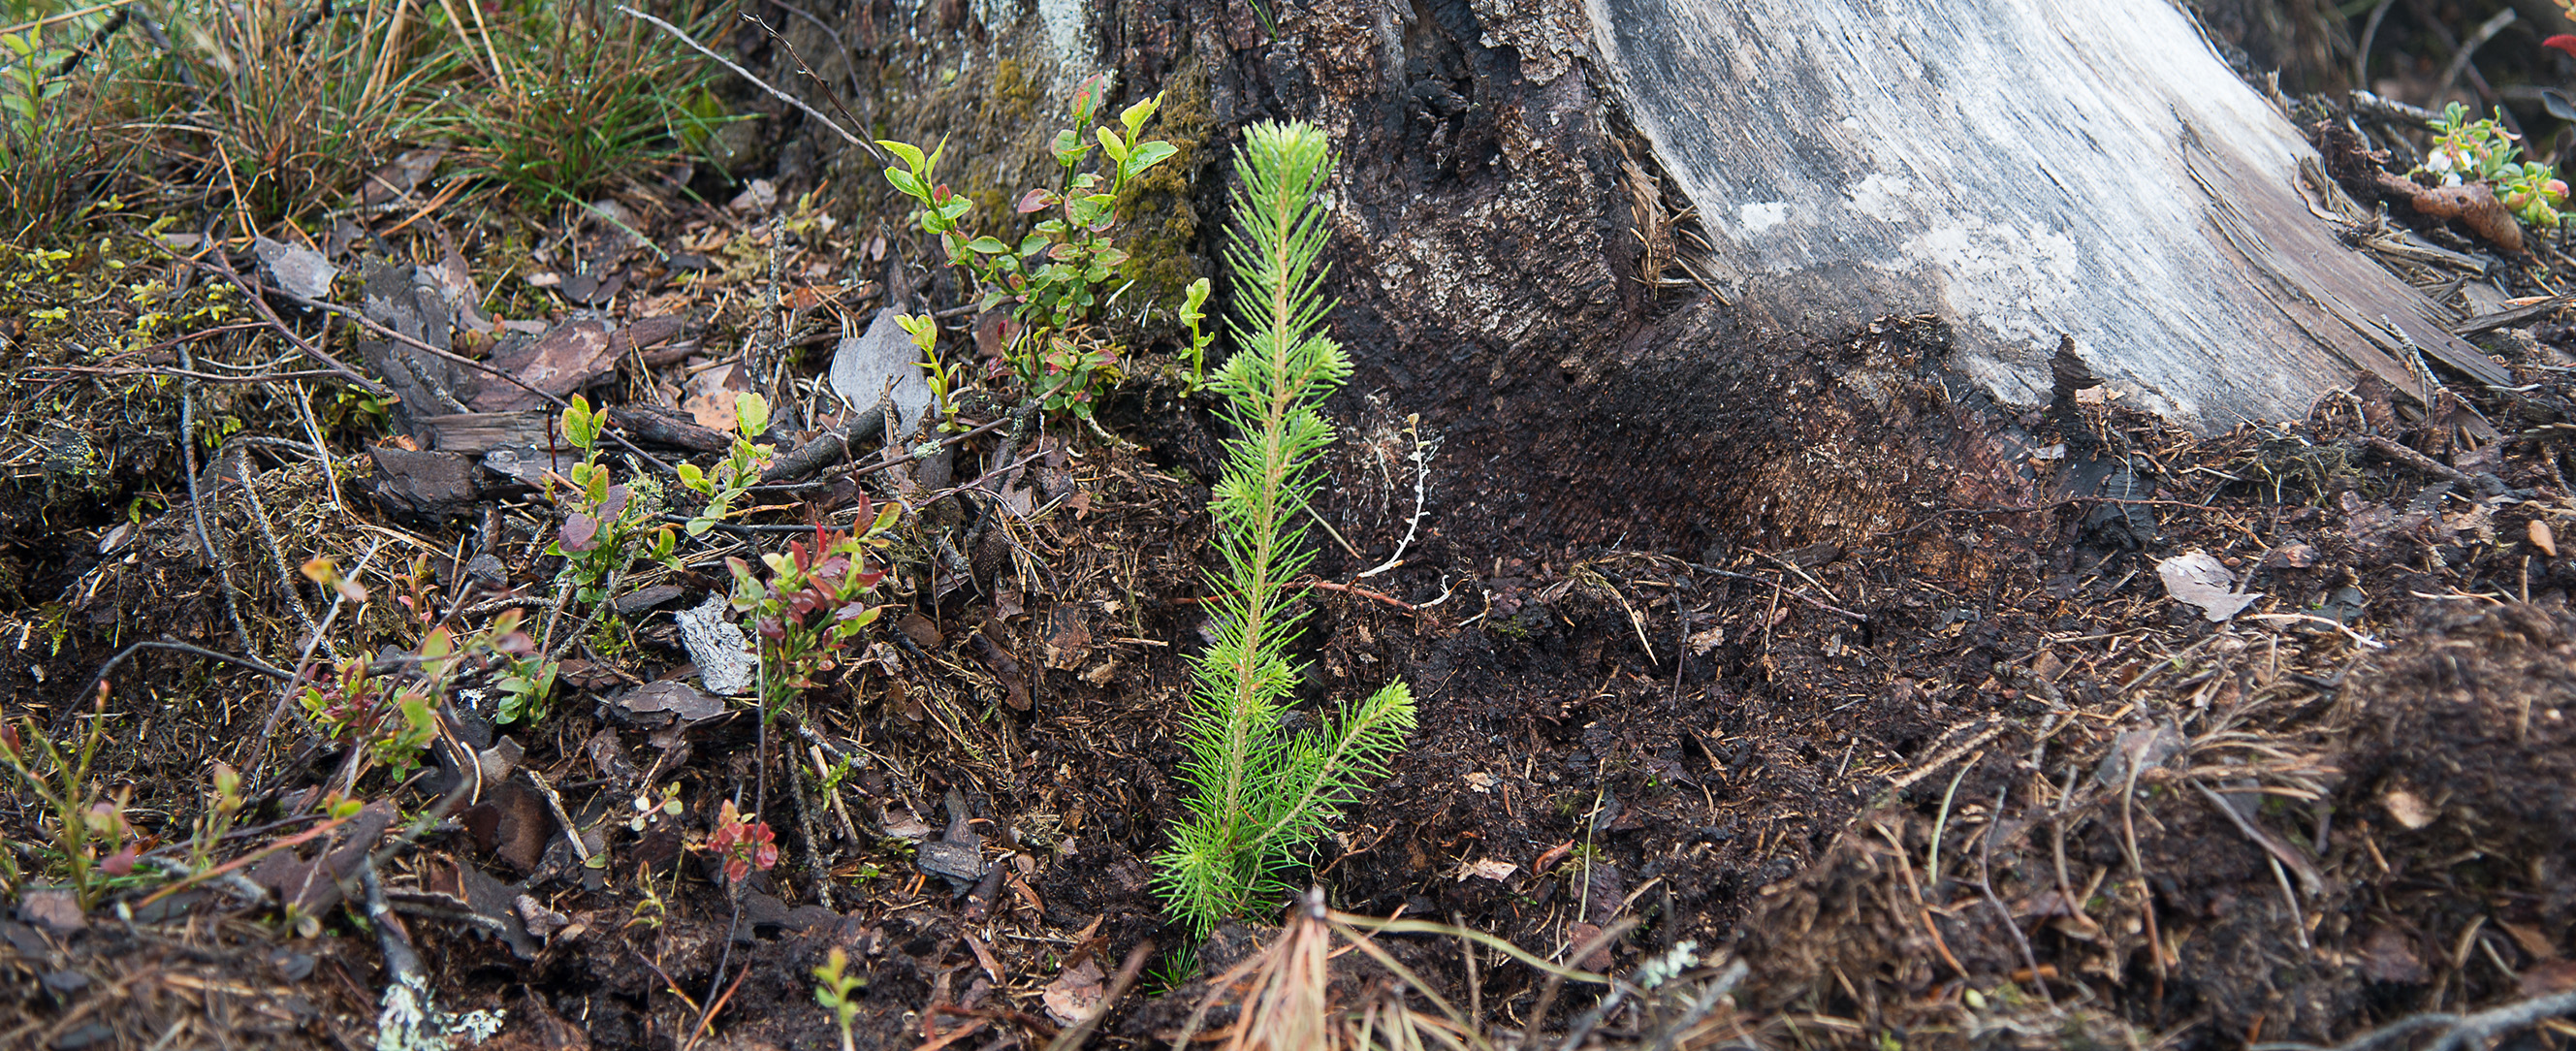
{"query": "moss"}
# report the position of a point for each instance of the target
(1162, 219)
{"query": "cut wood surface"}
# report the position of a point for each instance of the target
(2025, 169)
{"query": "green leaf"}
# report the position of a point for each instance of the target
(1149, 155)
(1191, 300)
(988, 245)
(908, 183)
(1134, 117)
(1111, 144)
(751, 414)
(910, 153)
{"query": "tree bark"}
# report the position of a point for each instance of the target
(1907, 208)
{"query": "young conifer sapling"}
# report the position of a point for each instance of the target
(1260, 793)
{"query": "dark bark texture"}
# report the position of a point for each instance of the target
(1506, 259)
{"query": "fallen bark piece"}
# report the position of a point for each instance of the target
(567, 358)
(882, 365)
(723, 655)
(476, 433)
(429, 484)
(659, 703)
(654, 425)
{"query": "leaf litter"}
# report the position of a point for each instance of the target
(2010, 798)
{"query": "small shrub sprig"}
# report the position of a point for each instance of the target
(838, 991)
(812, 604)
(1061, 275)
(85, 819)
(1258, 793)
(2483, 151)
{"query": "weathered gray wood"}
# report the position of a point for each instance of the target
(2025, 168)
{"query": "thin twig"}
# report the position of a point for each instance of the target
(873, 149)
(197, 505)
(252, 663)
(2469, 1030)
(1985, 883)
(223, 267)
(1074, 1035)
(277, 553)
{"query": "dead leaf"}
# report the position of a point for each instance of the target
(2549, 978)
(2291, 556)
(900, 823)
(811, 296)
(2388, 956)
(301, 272)
(2198, 579)
(398, 178)
(760, 196)
(1067, 639)
(2408, 808)
(2534, 944)
(1074, 996)
(2542, 538)
(656, 702)
(1707, 639)
(882, 363)
(709, 398)
(920, 630)
(54, 909)
(1491, 868)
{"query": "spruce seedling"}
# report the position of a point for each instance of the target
(1259, 793)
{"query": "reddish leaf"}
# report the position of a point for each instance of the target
(580, 532)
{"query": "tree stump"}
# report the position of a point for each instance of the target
(1903, 210)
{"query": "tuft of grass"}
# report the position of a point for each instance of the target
(1260, 794)
(290, 108)
(58, 69)
(279, 110)
(576, 103)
